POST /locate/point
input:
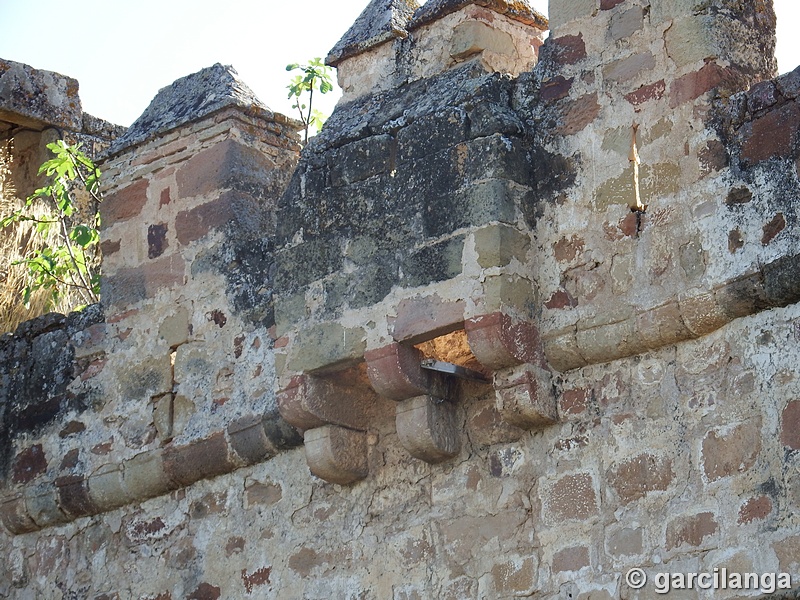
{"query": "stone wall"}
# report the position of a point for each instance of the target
(505, 378)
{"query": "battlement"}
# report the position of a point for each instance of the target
(519, 319)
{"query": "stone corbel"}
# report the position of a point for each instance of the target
(426, 416)
(334, 419)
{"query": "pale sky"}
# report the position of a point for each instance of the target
(123, 52)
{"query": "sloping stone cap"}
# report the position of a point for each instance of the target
(189, 99)
(36, 98)
(519, 10)
(381, 20)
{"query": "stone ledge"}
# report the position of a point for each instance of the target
(245, 442)
(686, 317)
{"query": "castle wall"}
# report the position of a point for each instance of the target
(251, 413)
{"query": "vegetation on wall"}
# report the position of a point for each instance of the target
(55, 235)
(314, 76)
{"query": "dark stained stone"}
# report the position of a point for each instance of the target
(379, 22)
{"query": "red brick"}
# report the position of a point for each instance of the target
(575, 401)
(571, 498)
(191, 225)
(609, 4)
(157, 241)
(205, 591)
(735, 240)
(71, 428)
(728, 454)
(755, 509)
(713, 157)
(257, 578)
(486, 427)
(772, 135)
(578, 114)
(567, 49)
(773, 228)
(556, 88)
(691, 530)
(165, 198)
(636, 478)
(423, 318)
(566, 249)
(571, 559)
(561, 299)
(790, 425)
(204, 459)
(125, 203)
(29, 464)
(654, 91)
(695, 84)
(499, 341)
(395, 372)
(163, 273)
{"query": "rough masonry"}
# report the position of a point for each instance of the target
(435, 354)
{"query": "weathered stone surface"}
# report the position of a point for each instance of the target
(428, 428)
(635, 478)
(380, 22)
(731, 451)
(571, 498)
(36, 98)
(310, 402)
(525, 397)
(473, 37)
(190, 99)
(519, 10)
(498, 340)
(561, 13)
(395, 372)
(326, 345)
(203, 459)
(691, 530)
(336, 454)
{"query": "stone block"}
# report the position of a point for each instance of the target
(487, 427)
(693, 85)
(782, 280)
(571, 559)
(15, 517)
(144, 476)
(326, 346)
(561, 12)
(578, 114)
(162, 417)
(124, 203)
(226, 165)
(516, 578)
(174, 329)
(561, 350)
(107, 489)
(625, 24)
(204, 459)
(424, 317)
(790, 426)
(196, 223)
(691, 530)
(249, 439)
(773, 135)
(499, 341)
(428, 428)
(730, 451)
(743, 296)
(436, 262)
(525, 397)
(497, 245)
(571, 498)
(36, 98)
(608, 342)
(310, 402)
(633, 479)
(626, 69)
(41, 503)
(281, 434)
(361, 160)
(473, 37)
(789, 84)
(566, 49)
(702, 314)
(336, 454)
(689, 40)
(74, 498)
(395, 372)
